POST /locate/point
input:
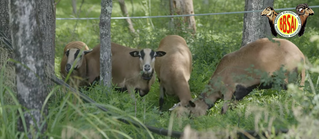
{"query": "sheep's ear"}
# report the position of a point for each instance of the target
(160, 53)
(87, 51)
(191, 103)
(135, 54)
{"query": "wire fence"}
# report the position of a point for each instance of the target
(184, 15)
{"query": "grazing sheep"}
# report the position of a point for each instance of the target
(262, 55)
(174, 69)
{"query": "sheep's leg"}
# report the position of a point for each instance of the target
(284, 84)
(182, 91)
(295, 76)
(302, 81)
(161, 99)
(227, 99)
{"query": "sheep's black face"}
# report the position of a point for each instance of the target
(74, 57)
(147, 60)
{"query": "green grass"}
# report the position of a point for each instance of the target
(216, 36)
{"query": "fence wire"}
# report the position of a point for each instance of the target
(184, 15)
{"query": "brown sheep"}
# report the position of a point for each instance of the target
(93, 65)
(303, 12)
(73, 55)
(174, 69)
(262, 55)
(271, 14)
(133, 69)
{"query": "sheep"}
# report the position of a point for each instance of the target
(303, 12)
(73, 54)
(271, 14)
(93, 66)
(133, 69)
(262, 55)
(174, 70)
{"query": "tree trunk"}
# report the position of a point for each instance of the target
(105, 40)
(181, 7)
(4, 20)
(255, 26)
(33, 34)
(6, 50)
(74, 6)
(125, 14)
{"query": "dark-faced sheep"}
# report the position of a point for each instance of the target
(133, 69)
(263, 55)
(174, 69)
(75, 61)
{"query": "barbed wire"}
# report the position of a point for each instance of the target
(184, 15)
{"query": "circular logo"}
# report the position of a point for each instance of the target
(287, 24)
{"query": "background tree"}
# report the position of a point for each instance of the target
(125, 14)
(105, 40)
(255, 26)
(181, 7)
(74, 7)
(33, 35)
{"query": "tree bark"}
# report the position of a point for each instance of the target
(4, 20)
(105, 42)
(33, 34)
(255, 26)
(6, 50)
(125, 14)
(181, 7)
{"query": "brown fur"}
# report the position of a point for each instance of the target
(271, 14)
(127, 70)
(76, 74)
(303, 11)
(265, 55)
(174, 69)
(93, 65)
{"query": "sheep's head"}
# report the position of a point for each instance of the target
(197, 108)
(147, 60)
(270, 13)
(303, 9)
(193, 108)
(74, 57)
(267, 11)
